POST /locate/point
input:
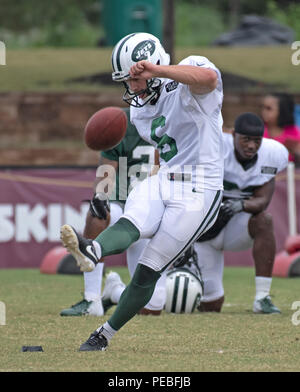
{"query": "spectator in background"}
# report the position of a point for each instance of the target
(278, 114)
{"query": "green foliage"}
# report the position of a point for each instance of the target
(288, 16)
(199, 22)
(58, 23)
(35, 23)
(229, 11)
(22, 16)
(197, 25)
(82, 35)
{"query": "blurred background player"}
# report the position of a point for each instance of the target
(140, 158)
(177, 108)
(278, 114)
(251, 163)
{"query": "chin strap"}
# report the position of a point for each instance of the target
(155, 99)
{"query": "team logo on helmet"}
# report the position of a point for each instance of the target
(143, 50)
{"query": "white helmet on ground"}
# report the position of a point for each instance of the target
(127, 52)
(184, 291)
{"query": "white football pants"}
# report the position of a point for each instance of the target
(234, 237)
(172, 214)
(93, 279)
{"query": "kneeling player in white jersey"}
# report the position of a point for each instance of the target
(176, 108)
(250, 165)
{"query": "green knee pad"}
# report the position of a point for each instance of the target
(145, 276)
(118, 237)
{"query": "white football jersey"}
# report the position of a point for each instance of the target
(238, 182)
(186, 129)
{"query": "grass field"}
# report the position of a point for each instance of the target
(48, 69)
(235, 340)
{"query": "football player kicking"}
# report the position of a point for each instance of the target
(176, 108)
(137, 158)
(250, 165)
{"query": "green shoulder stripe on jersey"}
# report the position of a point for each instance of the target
(249, 189)
(229, 186)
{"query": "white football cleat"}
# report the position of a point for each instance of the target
(113, 280)
(82, 249)
(265, 306)
(84, 308)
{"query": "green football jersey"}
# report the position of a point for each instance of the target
(135, 158)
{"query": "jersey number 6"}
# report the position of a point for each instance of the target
(163, 140)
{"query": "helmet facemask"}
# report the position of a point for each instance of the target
(152, 90)
(131, 49)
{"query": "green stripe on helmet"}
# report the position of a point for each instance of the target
(196, 302)
(119, 51)
(175, 295)
(185, 292)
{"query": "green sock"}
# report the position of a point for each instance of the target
(136, 295)
(118, 237)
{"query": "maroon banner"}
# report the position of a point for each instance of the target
(34, 203)
(278, 208)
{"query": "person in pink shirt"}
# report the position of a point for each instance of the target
(278, 115)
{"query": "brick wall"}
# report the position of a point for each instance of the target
(47, 128)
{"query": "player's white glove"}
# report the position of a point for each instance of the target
(231, 207)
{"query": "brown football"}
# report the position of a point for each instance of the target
(105, 129)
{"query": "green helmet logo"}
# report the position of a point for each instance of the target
(143, 50)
